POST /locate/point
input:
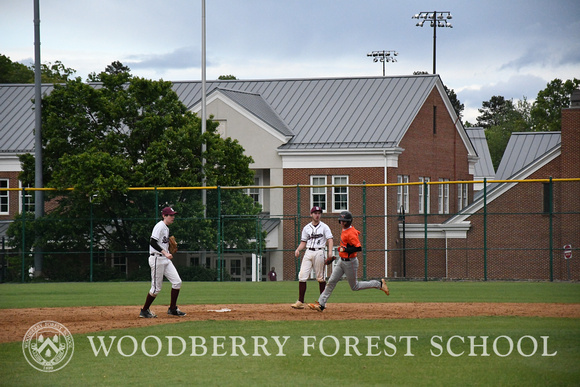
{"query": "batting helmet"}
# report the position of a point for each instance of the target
(345, 216)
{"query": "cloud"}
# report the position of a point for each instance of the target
(180, 58)
(516, 87)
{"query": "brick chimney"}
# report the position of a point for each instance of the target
(571, 137)
(570, 168)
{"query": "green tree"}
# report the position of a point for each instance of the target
(55, 73)
(134, 132)
(546, 112)
(13, 72)
(500, 118)
(457, 105)
(227, 77)
(494, 111)
(114, 68)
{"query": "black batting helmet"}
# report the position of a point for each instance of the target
(345, 216)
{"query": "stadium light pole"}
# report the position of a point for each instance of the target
(38, 179)
(436, 19)
(384, 57)
(203, 107)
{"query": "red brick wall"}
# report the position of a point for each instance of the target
(439, 154)
(374, 205)
(435, 155)
(570, 192)
(518, 233)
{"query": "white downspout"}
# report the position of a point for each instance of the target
(446, 256)
(386, 222)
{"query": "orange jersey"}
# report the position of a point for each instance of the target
(349, 237)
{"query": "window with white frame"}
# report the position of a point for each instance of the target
(318, 194)
(340, 194)
(443, 197)
(403, 194)
(424, 190)
(4, 197)
(462, 199)
(255, 193)
(26, 202)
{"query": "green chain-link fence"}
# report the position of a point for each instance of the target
(508, 230)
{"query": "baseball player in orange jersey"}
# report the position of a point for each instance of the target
(314, 237)
(161, 265)
(347, 264)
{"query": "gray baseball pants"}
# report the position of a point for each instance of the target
(349, 268)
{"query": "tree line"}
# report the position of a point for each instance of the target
(132, 132)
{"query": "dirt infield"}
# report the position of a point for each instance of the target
(15, 322)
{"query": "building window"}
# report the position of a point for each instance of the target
(548, 207)
(4, 197)
(27, 201)
(402, 194)
(340, 194)
(422, 197)
(462, 198)
(443, 197)
(254, 193)
(318, 194)
(120, 263)
(434, 119)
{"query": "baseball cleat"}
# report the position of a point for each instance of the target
(316, 306)
(384, 286)
(298, 305)
(147, 314)
(175, 312)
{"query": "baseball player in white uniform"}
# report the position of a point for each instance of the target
(161, 265)
(314, 237)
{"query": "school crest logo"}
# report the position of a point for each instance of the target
(48, 346)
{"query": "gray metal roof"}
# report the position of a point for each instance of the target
(269, 224)
(484, 166)
(523, 149)
(525, 153)
(4, 224)
(361, 112)
(17, 117)
(257, 106)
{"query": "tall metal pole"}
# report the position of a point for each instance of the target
(434, 46)
(437, 19)
(203, 107)
(203, 130)
(38, 194)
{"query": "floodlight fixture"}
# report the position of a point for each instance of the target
(383, 56)
(436, 19)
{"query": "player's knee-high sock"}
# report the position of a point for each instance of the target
(174, 294)
(301, 291)
(148, 301)
(322, 286)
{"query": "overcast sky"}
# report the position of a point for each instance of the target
(511, 48)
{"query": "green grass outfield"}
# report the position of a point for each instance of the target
(522, 351)
(133, 293)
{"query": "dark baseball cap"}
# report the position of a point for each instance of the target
(168, 211)
(315, 208)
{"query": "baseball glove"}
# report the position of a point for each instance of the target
(329, 260)
(172, 245)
